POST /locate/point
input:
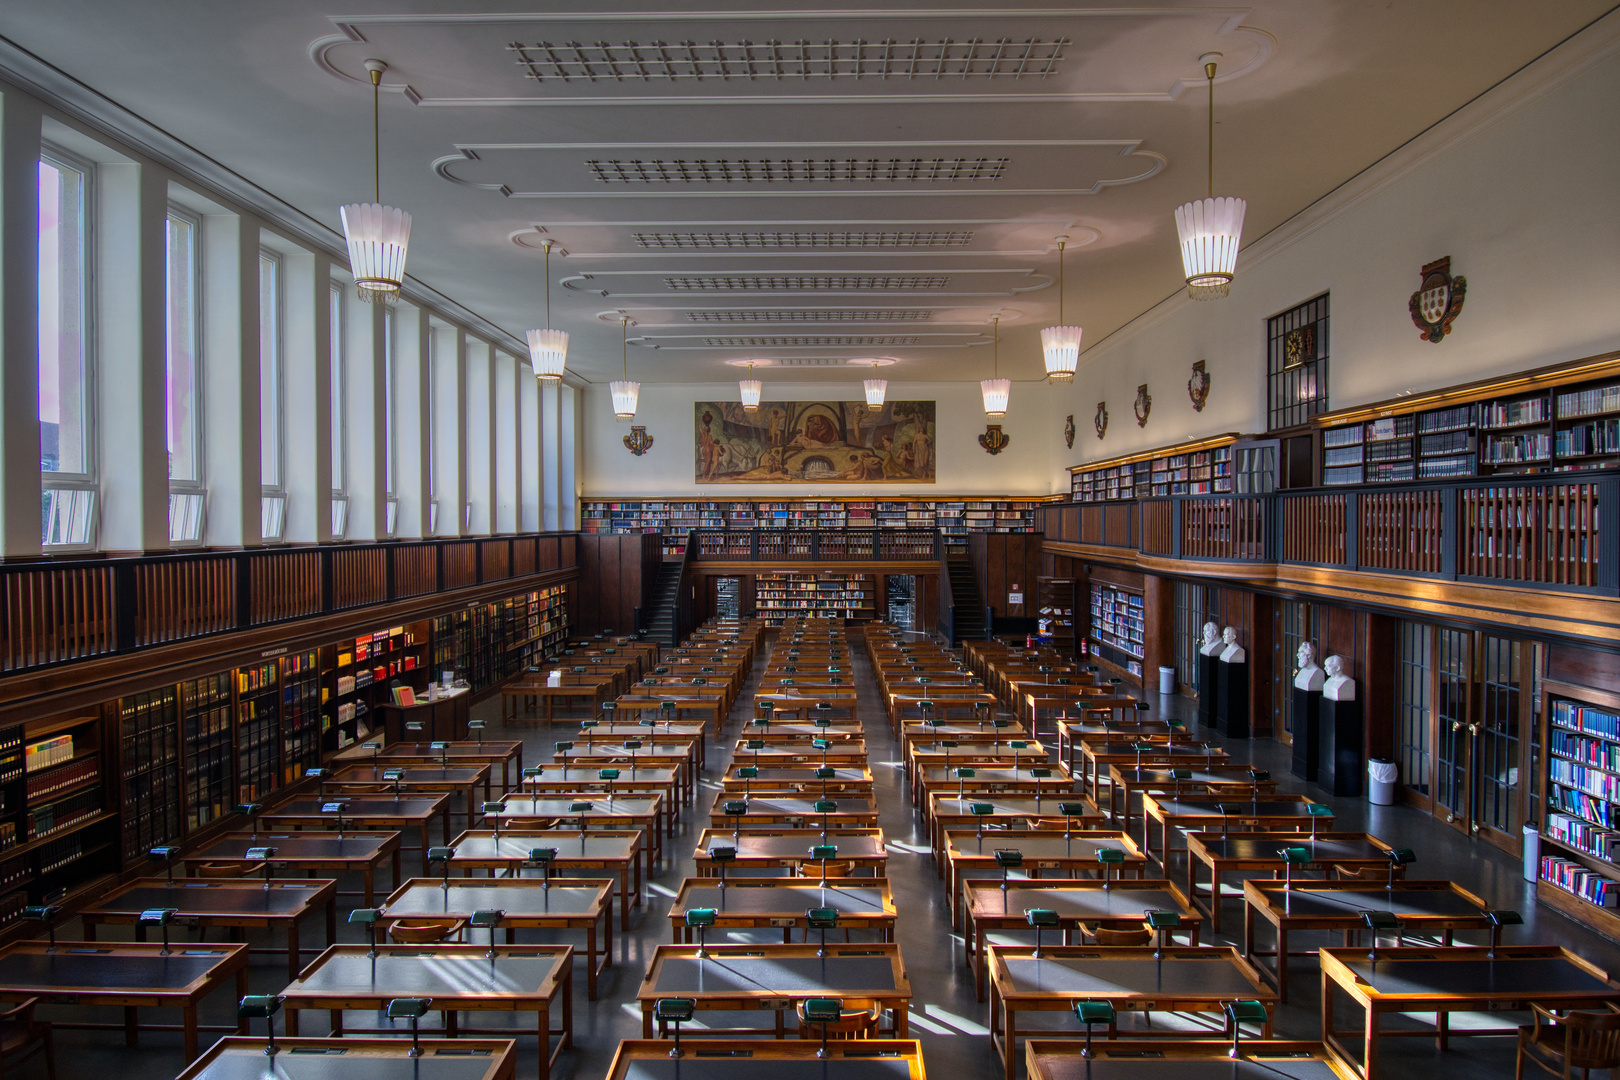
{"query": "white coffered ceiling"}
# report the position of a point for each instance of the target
(806, 187)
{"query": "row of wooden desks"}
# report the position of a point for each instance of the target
(617, 851)
(503, 756)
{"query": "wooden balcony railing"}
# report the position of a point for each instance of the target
(1541, 531)
(58, 612)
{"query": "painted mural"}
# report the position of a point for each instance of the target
(815, 442)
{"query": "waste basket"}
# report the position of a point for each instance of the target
(1532, 853)
(1381, 781)
(1167, 680)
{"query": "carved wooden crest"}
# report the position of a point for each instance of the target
(1144, 405)
(1068, 430)
(1198, 386)
(994, 440)
(638, 442)
(1438, 301)
(1100, 420)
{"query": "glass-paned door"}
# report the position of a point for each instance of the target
(902, 601)
(728, 597)
(1481, 733)
(1412, 711)
(1293, 623)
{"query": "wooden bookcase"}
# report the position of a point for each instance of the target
(1580, 828)
(1564, 418)
(1118, 622)
(1204, 467)
(1057, 599)
(825, 594)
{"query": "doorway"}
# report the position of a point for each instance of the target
(902, 601)
(1466, 729)
(728, 597)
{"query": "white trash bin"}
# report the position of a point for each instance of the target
(1381, 774)
(1167, 680)
(1532, 853)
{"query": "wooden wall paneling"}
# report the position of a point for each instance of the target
(1579, 666)
(927, 602)
(1158, 629)
(993, 576)
(1255, 636)
(568, 550)
(610, 586)
(1379, 688)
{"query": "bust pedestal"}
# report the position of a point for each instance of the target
(1304, 719)
(1232, 699)
(1209, 679)
(1341, 764)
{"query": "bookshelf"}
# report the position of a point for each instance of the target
(1580, 848)
(300, 715)
(258, 736)
(149, 761)
(1204, 467)
(953, 516)
(205, 749)
(56, 820)
(825, 594)
(1117, 621)
(536, 627)
(355, 677)
(1564, 418)
(1055, 600)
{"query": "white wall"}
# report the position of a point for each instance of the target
(1519, 188)
(962, 466)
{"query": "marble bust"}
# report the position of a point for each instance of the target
(1339, 686)
(1232, 653)
(1310, 675)
(1212, 643)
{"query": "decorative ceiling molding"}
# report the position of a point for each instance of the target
(791, 319)
(961, 281)
(815, 169)
(711, 342)
(807, 239)
(807, 57)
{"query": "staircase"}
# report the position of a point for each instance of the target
(661, 621)
(969, 625)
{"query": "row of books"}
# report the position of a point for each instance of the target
(1574, 878)
(1599, 752)
(1597, 437)
(69, 775)
(1509, 413)
(1600, 399)
(1605, 785)
(1582, 834)
(1574, 717)
(48, 752)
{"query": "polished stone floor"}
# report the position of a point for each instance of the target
(945, 1015)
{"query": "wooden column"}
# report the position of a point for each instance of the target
(1158, 629)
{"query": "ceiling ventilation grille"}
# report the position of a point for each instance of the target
(761, 241)
(938, 170)
(827, 315)
(804, 341)
(806, 282)
(774, 61)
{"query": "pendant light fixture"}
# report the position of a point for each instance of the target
(876, 389)
(996, 390)
(624, 391)
(750, 389)
(378, 235)
(548, 348)
(1061, 344)
(1211, 229)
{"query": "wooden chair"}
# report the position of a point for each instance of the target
(424, 931)
(21, 1034)
(226, 869)
(834, 869)
(1102, 935)
(858, 1019)
(1575, 1040)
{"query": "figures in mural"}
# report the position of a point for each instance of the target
(815, 442)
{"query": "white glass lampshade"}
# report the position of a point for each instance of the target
(1061, 344)
(750, 390)
(378, 237)
(996, 394)
(548, 352)
(624, 398)
(1211, 230)
(875, 391)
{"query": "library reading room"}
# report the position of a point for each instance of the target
(488, 587)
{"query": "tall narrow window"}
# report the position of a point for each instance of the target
(390, 464)
(270, 375)
(1412, 707)
(340, 404)
(183, 303)
(68, 495)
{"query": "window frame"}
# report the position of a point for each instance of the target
(188, 487)
(1286, 408)
(86, 479)
(273, 494)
